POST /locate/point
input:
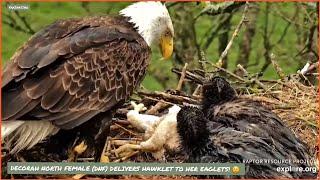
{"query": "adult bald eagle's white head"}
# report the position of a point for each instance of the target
(71, 74)
(154, 24)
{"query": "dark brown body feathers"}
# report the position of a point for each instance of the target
(74, 69)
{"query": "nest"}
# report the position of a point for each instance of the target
(289, 97)
(292, 98)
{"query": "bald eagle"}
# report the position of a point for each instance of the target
(229, 128)
(75, 72)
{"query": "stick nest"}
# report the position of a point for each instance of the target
(290, 98)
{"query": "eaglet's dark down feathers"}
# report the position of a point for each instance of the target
(230, 128)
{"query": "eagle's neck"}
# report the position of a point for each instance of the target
(150, 35)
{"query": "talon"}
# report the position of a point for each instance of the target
(104, 158)
(79, 149)
(76, 151)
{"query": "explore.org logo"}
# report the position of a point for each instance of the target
(18, 7)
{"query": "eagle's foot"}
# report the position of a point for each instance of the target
(76, 151)
(138, 107)
(79, 149)
(104, 158)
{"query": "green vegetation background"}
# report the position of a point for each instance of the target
(41, 14)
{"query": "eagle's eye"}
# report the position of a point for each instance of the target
(167, 33)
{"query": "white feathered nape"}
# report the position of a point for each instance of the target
(20, 135)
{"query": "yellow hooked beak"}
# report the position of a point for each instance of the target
(166, 46)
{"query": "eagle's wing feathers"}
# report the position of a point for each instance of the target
(41, 46)
(76, 73)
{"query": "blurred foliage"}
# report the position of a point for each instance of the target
(288, 30)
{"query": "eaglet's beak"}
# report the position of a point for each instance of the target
(166, 46)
